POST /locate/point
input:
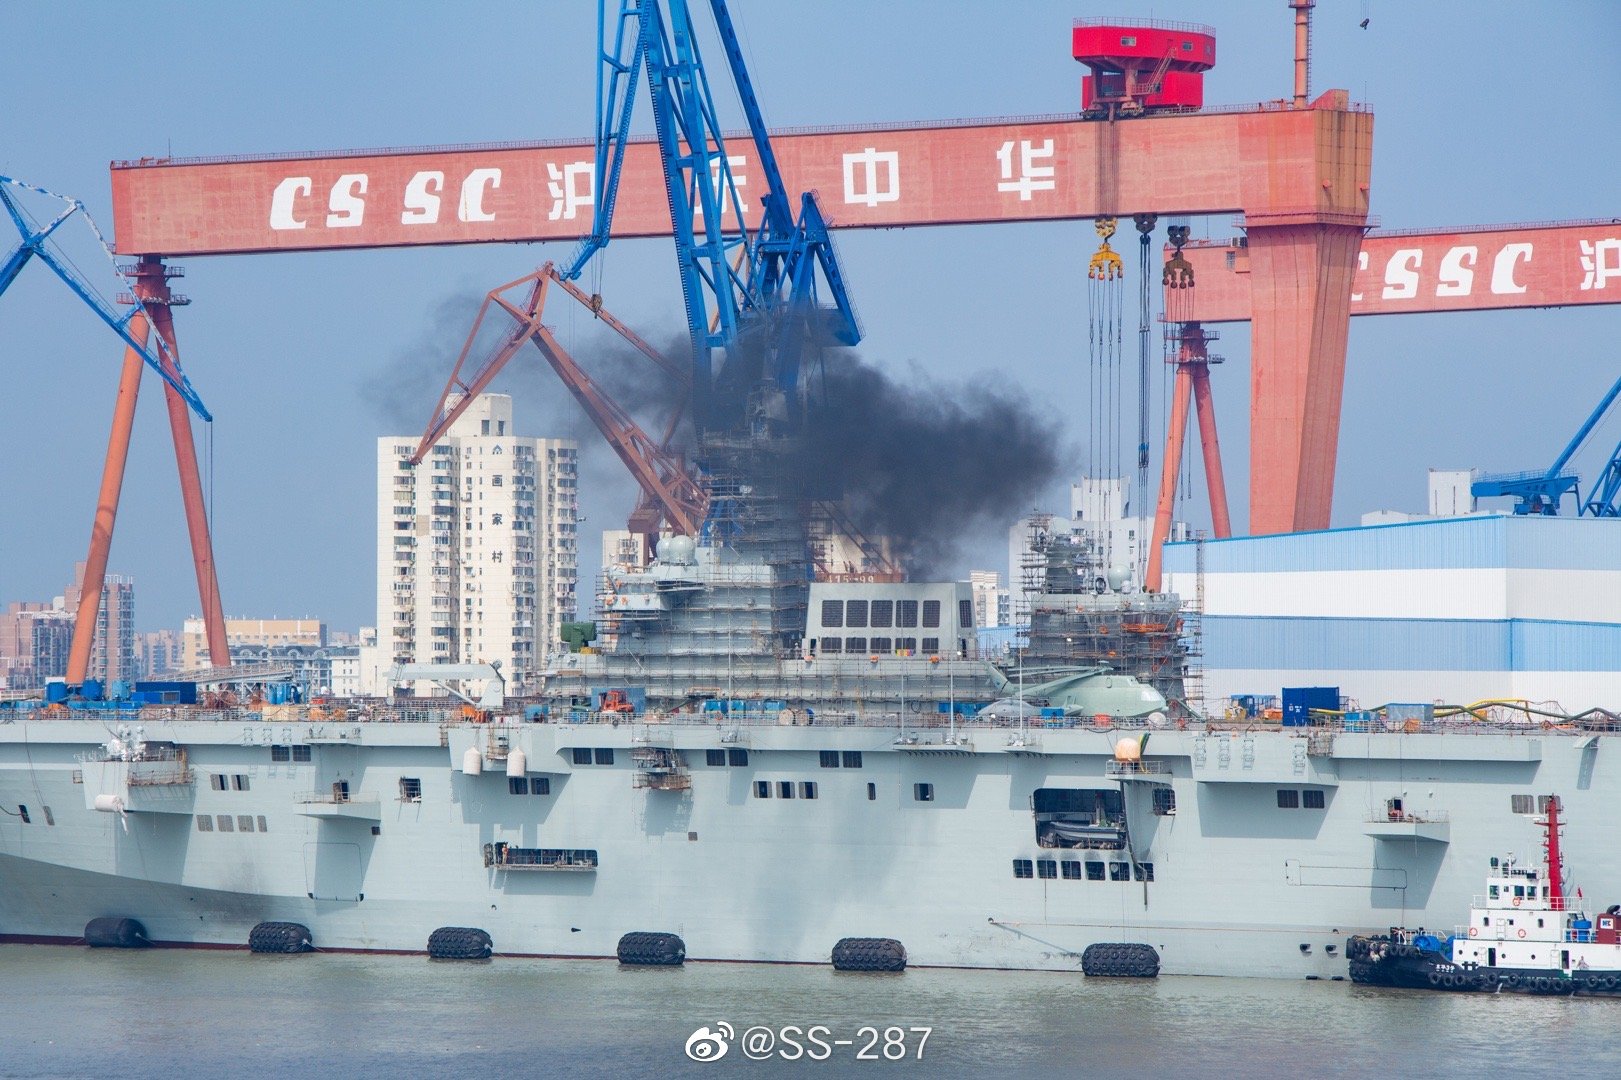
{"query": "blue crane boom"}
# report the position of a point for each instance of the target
(1542, 492)
(771, 288)
(34, 245)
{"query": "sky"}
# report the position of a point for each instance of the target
(1485, 112)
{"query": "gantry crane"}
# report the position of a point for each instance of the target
(148, 305)
(751, 295)
(1543, 492)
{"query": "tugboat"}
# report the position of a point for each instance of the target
(1525, 935)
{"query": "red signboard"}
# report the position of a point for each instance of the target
(1261, 162)
(1497, 266)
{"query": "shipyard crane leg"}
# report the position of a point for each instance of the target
(1192, 384)
(1301, 277)
(112, 486)
(191, 495)
(151, 287)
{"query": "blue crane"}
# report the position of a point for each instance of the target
(34, 244)
(751, 295)
(1542, 492)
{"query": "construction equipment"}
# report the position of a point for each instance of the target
(1543, 492)
(451, 677)
(148, 304)
(765, 307)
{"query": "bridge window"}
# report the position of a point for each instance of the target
(832, 645)
(881, 645)
(244, 823)
(883, 613)
(855, 645)
(410, 789)
(852, 759)
(1164, 801)
(931, 645)
(605, 755)
(965, 614)
(906, 613)
(923, 792)
(1522, 804)
(715, 757)
(1046, 868)
(517, 785)
(1145, 871)
(1119, 871)
(855, 613)
(736, 755)
(226, 824)
(1094, 871)
(239, 782)
(582, 755)
(1311, 800)
(807, 789)
(280, 753)
(785, 789)
(829, 759)
(762, 789)
(832, 612)
(872, 792)
(205, 823)
(540, 785)
(1288, 799)
(931, 614)
(1072, 870)
(1023, 868)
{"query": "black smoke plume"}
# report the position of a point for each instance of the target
(929, 465)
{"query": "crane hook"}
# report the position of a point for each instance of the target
(1106, 264)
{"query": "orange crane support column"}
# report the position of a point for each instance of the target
(1215, 481)
(191, 495)
(1192, 381)
(1180, 392)
(1301, 276)
(112, 485)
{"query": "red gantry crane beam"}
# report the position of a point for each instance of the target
(1299, 176)
(1546, 264)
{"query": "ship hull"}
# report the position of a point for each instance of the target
(1229, 882)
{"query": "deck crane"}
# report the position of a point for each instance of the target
(1542, 492)
(764, 305)
(751, 296)
(34, 243)
(148, 309)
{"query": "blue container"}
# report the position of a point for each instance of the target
(91, 690)
(170, 693)
(1299, 701)
(56, 691)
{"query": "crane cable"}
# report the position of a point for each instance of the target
(1106, 317)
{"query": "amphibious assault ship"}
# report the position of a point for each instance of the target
(776, 792)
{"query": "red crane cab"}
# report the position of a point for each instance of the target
(1144, 66)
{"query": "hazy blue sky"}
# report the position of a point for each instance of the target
(1485, 112)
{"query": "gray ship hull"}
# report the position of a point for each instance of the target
(1231, 880)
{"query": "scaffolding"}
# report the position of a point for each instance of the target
(1076, 621)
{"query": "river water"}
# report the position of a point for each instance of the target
(78, 1013)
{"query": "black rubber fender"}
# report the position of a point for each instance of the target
(459, 943)
(1120, 960)
(114, 932)
(280, 937)
(645, 948)
(869, 954)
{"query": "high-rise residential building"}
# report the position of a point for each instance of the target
(244, 633)
(112, 652)
(17, 645)
(991, 600)
(35, 638)
(477, 546)
(158, 653)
